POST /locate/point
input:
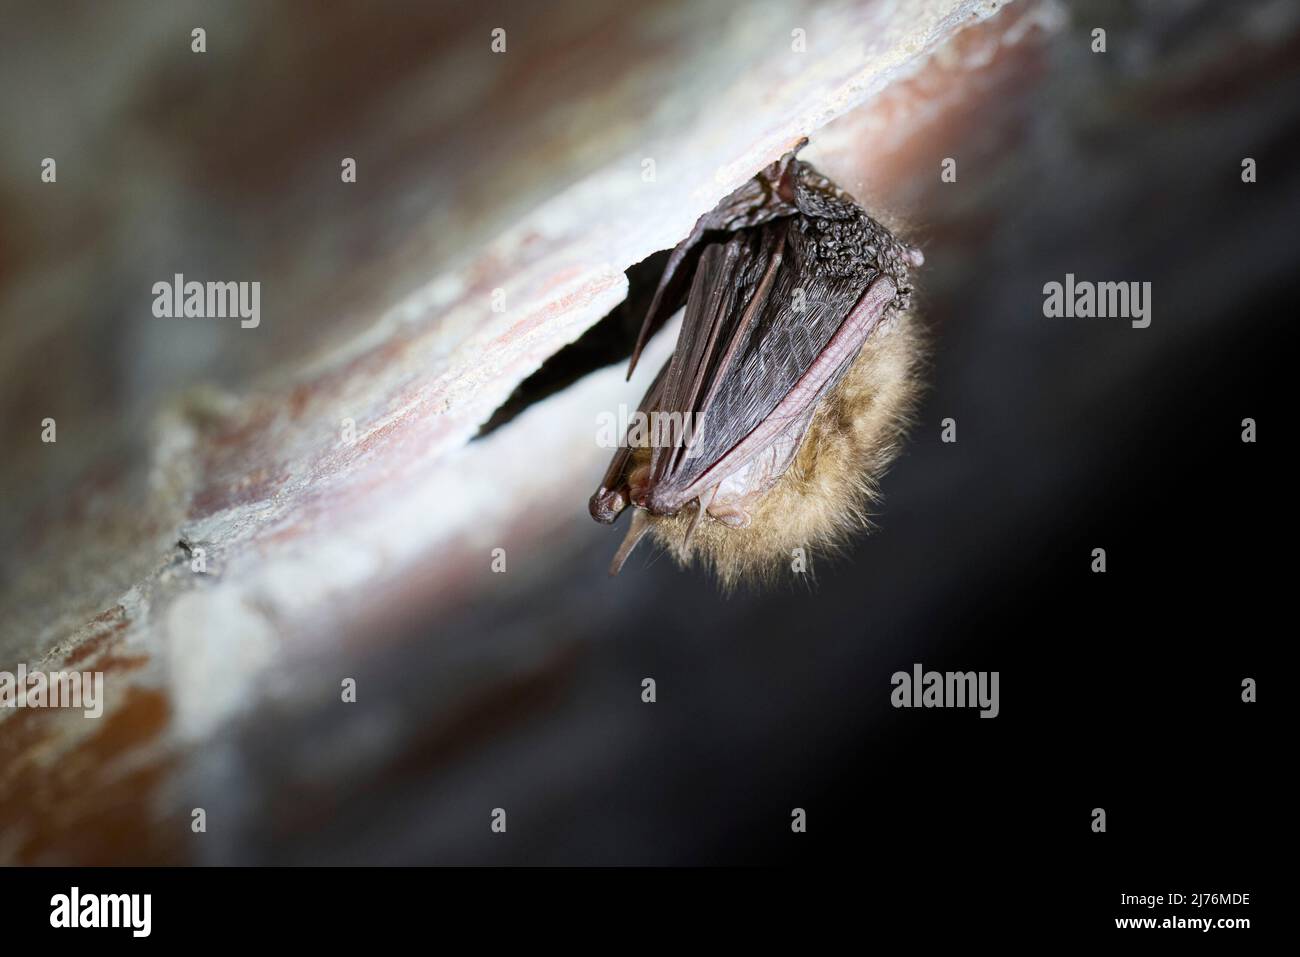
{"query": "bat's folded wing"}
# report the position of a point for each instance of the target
(766, 334)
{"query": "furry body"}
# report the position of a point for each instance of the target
(823, 497)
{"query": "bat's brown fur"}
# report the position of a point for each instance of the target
(824, 496)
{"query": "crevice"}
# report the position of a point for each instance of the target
(609, 341)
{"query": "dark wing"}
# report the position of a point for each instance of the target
(767, 332)
(611, 498)
(767, 196)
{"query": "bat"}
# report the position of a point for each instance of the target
(790, 386)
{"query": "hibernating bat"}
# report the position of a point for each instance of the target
(790, 386)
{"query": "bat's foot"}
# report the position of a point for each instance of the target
(731, 515)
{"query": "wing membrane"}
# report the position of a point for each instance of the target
(758, 318)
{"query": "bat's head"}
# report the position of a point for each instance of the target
(631, 486)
